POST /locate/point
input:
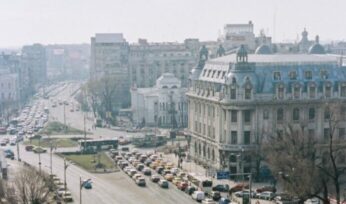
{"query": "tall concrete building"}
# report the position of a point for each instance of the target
(148, 61)
(34, 60)
(237, 100)
(109, 58)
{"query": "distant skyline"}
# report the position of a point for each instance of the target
(75, 21)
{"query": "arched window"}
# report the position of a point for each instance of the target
(248, 90)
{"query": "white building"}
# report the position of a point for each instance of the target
(163, 105)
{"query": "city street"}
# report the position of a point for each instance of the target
(107, 188)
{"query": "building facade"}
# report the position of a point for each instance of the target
(237, 100)
(34, 60)
(163, 105)
(148, 61)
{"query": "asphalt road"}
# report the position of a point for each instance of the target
(107, 188)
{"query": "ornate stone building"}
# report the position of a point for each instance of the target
(237, 100)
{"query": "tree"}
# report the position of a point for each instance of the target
(31, 187)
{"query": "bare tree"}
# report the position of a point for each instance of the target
(31, 186)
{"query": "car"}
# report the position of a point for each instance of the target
(208, 201)
(140, 167)
(176, 180)
(140, 181)
(190, 189)
(136, 176)
(224, 201)
(282, 197)
(182, 185)
(13, 142)
(166, 171)
(3, 143)
(39, 150)
(88, 185)
(146, 171)
(221, 188)
(67, 197)
(160, 169)
(238, 187)
(169, 177)
(266, 188)
(266, 195)
(9, 154)
(198, 196)
(132, 172)
(215, 195)
(244, 193)
(125, 149)
(163, 183)
(174, 171)
(155, 178)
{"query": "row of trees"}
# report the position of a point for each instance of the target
(306, 166)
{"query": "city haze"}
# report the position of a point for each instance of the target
(63, 21)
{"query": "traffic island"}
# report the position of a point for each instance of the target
(94, 163)
(57, 128)
(55, 142)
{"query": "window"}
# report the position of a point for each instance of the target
(233, 93)
(328, 91)
(265, 114)
(234, 137)
(234, 116)
(296, 92)
(343, 91)
(311, 133)
(247, 116)
(312, 91)
(281, 92)
(324, 74)
(311, 113)
(277, 76)
(248, 93)
(341, 133)
(293, 75)
(326, 134)
(247, 137)
(296, 114)
(280, 114)
(326, 114)
(308, 75)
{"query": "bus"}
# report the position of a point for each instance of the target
(98, 144)
(203, 183)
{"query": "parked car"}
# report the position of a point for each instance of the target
(136, 176)
(163, 183)
(241, 194)
(266, 188)
(169, 177)
(266, 195)
(215, 195)
(221, 188)
(155, 178)
(182, 185)
(190, 189)
(198, 196)
(146, 171)
(208, 201)
(224, 201)
(140, 181)
(238, 187)
(39, 150)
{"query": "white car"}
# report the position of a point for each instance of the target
(208, 201)
(198, 196)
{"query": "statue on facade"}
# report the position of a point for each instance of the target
(203, 56)
(220, 51)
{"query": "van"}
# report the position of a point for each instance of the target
(198, 196)
(125, 149)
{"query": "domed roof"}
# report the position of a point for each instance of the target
(316, 48)
(263, 50)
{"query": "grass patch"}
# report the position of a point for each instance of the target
(57, 142)
(57, 128)
(91, 162)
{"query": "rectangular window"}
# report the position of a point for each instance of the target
(233, 93)
(277, 76)
(247, 116)
(326, 114)
(311, 113)
(343, 91)
(265, 114)
(247, 138)
(293, 75)
(280, 114)
(308, 75)
(326, 134)
(328, 91)
(311, 133)
(296, 92)
(280, 93)
(341, 133)
(312, 92)
(296, 114)
(234, 137)
(234, 117)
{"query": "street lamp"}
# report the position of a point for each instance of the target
(66, 165)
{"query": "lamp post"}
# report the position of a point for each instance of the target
(65, 167)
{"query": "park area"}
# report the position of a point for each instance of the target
(54, 142)
(98, 162)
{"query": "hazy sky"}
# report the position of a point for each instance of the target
(75, 21)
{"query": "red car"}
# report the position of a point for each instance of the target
(182, 185)
(239, 187)
(266, 188)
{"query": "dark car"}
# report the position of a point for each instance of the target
(224, 201)
(221, 188)
(29, 147)
(146, 171)
(215, 195)
(159, 170)
(190, 189)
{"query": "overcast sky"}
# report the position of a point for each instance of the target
(75, 21)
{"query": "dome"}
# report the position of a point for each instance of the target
(317, 48)
(263, 50)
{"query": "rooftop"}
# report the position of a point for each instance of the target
(109, 38)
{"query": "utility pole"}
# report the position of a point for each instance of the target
(51, 156)
(64, 117)
(65, 167)
(39, 155)
(84, 135)
(18, 155)
(80, 189)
